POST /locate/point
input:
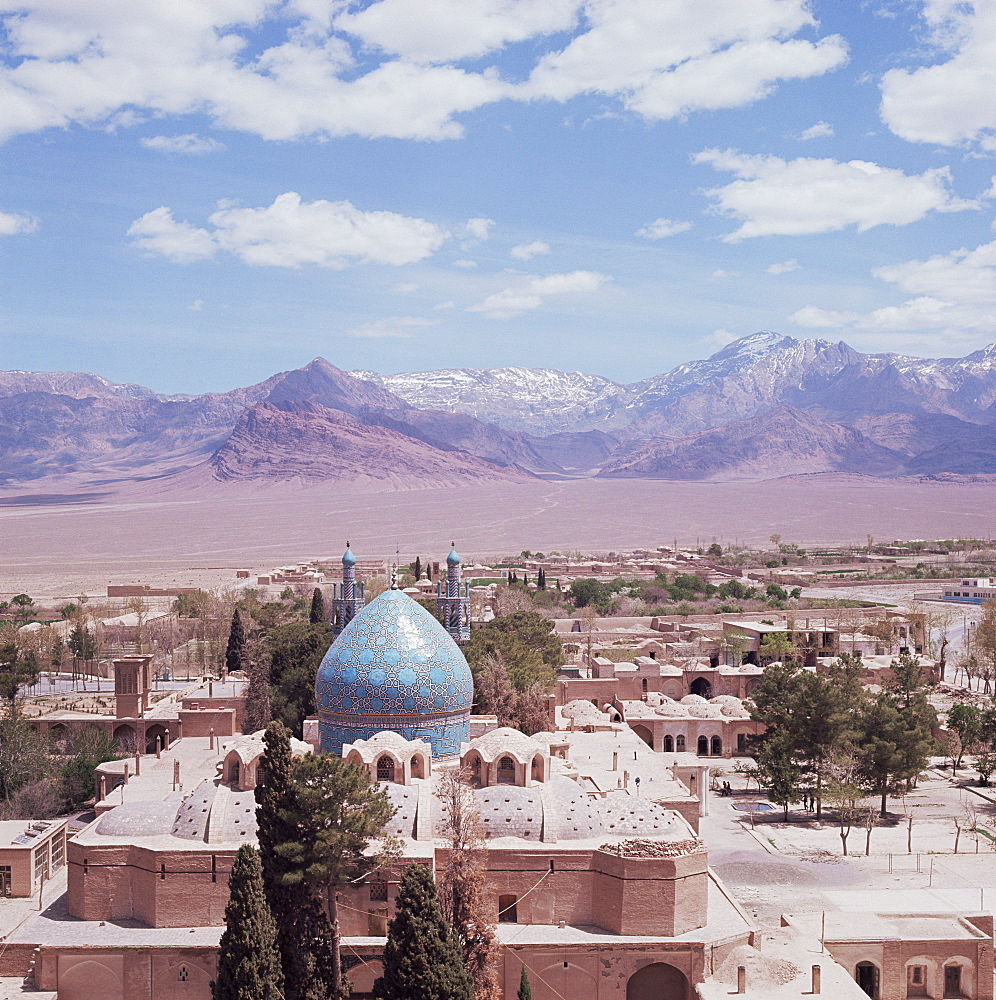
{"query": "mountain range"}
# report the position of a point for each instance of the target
(766, 405)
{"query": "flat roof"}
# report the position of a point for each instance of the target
(14, 832)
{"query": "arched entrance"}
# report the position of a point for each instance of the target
(385, 769)
(703, 750)
(645, 734)
(151, 732)
(506, 771)
(701, 687)
(717, 747)
(668, 744)
(657, 982)
(125, 738)
(866, 976)
(58, 732)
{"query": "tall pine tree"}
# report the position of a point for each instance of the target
(235, 651)
(317, 613)
(302, 927)
(525, 990)
(248, 960)
(422, 956)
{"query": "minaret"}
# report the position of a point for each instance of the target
(347, 597)
(453, 602)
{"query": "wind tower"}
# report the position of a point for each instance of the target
(453, 599)
(347, 597)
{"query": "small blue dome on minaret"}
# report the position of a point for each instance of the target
(348, 559)
(453, 559)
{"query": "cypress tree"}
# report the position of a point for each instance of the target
(422, 956)
(302, 927)
(317, 614)
(418, 568)
(235, 651)
(248, 960)
(525, 990)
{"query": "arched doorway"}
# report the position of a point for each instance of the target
(703, 750)
(657, 982)
(385, 769)
(506, 771)
(668, 744)
(701, 687)
(125, 738)
(717, 747)
(58, 732)
(151, 732)
(645, 734)
(866, 976)
(679, 743)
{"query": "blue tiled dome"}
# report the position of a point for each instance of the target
(394, 667)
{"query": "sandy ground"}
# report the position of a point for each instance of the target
(66, 543)
(798, 866)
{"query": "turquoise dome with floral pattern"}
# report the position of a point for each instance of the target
(394, 667)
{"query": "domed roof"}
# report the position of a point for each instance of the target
(394, 667)
(348, 559)
(453, 559)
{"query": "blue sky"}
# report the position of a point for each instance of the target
(198, 193)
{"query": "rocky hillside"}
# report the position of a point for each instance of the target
(293, 439)
(782, 442)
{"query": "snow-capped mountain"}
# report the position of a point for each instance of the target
(537, 400)
(745, 378)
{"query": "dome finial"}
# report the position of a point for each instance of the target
(394, 578)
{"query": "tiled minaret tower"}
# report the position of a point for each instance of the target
(347, 597)
(453, 599)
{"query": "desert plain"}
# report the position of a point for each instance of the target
(79, 539)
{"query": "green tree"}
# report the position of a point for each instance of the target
(880, 753)
(24, 606)
(17, 669)
(525, 991)
(422, 956)
(84, 750)
(525, 642)
(317, 615)
(334, 811)
(235, 651)
(302, 926)
(775, 646)
(778, 771)
(296, 649)
(248, 957)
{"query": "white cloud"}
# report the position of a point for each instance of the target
(446, 30)
(525, 251)
(720, 338)
(660, 228)
(390, 326)
(196, 306)
(445, 305)
(951, 101)
(291, 232)
(476, 231)
(516, 300)
(465, 263)
(776, 197)
(158, 232)
(784, 267)
(405, 287)
(664, 60)
(821, 130)
(954, 293)
(721, 273)
(15, 223)
(389, 69)
(190, 144)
